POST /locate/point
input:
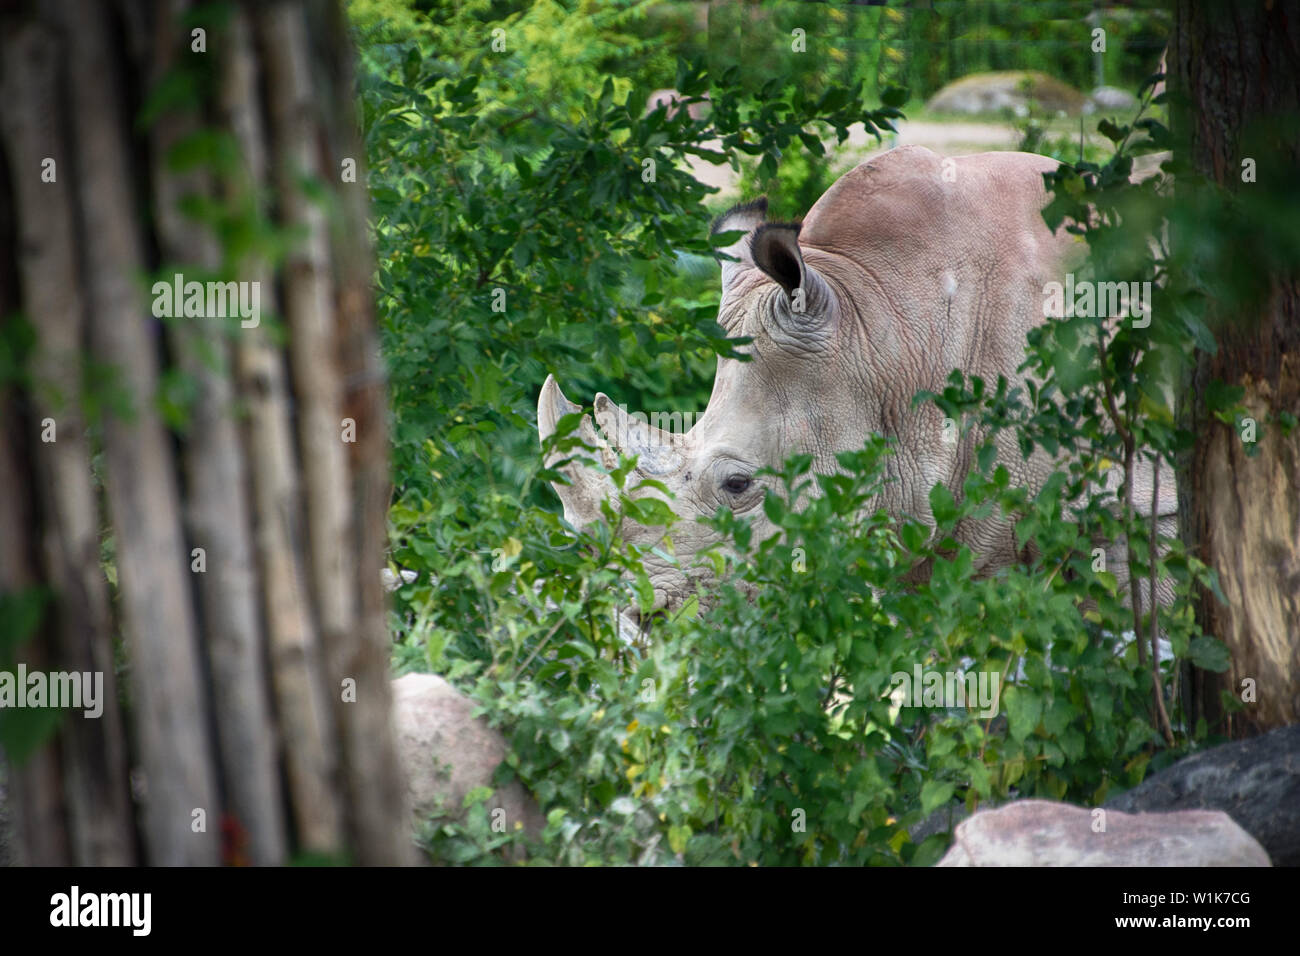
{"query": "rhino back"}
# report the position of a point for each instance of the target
(939, 272)
(965, 259)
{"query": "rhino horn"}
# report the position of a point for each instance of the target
(657, 451)
(588, 487)
(552, 405)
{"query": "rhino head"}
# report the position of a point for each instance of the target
(893, 279)
(795, 394)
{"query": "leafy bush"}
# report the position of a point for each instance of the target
(515, 242)
(763, 730)
(519, 235)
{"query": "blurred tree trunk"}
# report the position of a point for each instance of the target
(1239, 66)
(233, 466)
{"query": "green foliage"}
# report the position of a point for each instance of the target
(925, 46)
(518, 242)
(23, 730)
(763, 730)
(764, 727)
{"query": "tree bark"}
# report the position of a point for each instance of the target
(296, 665)
(141, 480)
(1239, 66)
(99, 815)
(217, 516)
(258, 668)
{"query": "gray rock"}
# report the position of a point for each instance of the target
(1256, 782)
(1043, 833)
(1106, 99)
(447, 752)
(1007, 90)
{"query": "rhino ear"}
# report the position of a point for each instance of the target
(743, 218)
(775, 249)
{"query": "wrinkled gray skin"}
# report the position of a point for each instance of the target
(905, 274)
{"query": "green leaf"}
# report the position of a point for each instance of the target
(1024, 709)
(914, 536)
(774, 508)
(942, 504)
(1221, 397)
(678, 836)
(894, 96)
(813, 143)
(934, 794)
(729, 238)
(1209, 653)
(645, 593)
(1112, 132)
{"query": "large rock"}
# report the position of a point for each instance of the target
(1110, 99)
(1256, 782)
(1007, 90)
(1043, 833)
(447, 752)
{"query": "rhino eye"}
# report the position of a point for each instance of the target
(737, 484)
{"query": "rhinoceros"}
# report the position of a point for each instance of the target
(908, 267)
